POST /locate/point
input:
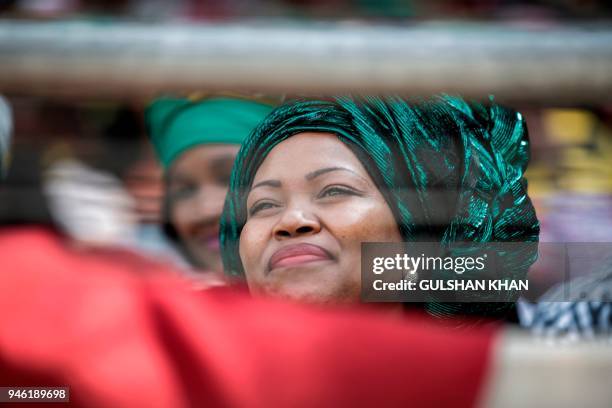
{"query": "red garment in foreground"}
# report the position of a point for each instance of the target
(122, 339)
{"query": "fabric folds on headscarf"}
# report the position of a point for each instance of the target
(450, 170)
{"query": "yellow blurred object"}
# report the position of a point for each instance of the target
(585, 183)
(586, 171)
(540, 180)
(578, 158)
(569, 126)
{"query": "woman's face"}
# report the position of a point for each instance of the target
(197, 185)
(310, 207)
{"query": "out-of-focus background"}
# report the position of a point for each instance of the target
(85, 163)
(540, 11)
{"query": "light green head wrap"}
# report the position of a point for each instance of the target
(178, 124)
(450, 171)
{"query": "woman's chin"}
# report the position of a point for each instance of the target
(202, 257)
(314, 294)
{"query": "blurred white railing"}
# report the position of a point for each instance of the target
(556, 65)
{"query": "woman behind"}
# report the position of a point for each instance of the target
(196, 141)
(318, 178)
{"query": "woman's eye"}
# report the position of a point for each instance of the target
(183, 191)
(336, 191)
(223, 178)
(258, 207)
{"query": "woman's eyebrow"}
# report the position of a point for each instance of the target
(270, 183)
(309, 176)
(223, 160)
(320, 172)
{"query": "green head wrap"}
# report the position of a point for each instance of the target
(178, 124)
(450, 171)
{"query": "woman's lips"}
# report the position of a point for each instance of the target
(213, 243)
(297, 254)
(210, 242)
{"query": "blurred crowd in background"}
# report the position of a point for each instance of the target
(209, 10)
(87, 166)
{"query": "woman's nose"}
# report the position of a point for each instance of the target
(296, 222)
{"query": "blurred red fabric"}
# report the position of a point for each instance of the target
(117, 338)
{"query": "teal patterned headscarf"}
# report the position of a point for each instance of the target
(450, 171)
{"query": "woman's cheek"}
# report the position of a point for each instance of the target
(357, 222)
(253, 243)
(180, 219)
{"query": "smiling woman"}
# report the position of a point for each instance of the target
(306, 220)
(196, 141)
(318, 178)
